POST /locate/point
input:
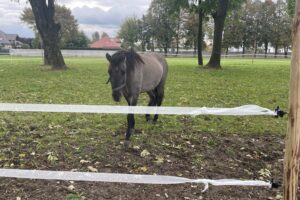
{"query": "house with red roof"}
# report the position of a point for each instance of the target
(107, 43)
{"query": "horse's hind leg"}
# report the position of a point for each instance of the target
(152, 102)
(159, 98)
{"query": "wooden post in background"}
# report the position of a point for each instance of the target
(292, 145)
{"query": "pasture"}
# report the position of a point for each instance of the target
(201, 147)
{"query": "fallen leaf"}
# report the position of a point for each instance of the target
(22, 155)
(145, 153)
(166, 195)
(279, 197)
(159, 160)
(92, 169)
(84, 161)
(265, 173)
(71, 187)
(2, 157)
(142, 169)
(136, 147)
(52, 158)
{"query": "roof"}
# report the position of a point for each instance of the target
(106, 43)
(11, 36)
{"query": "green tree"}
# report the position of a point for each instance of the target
(191, 30)
(233, 31)
(195, 7)
(81, 41)
(252, 28)
(266, 23)
(129, 32)
(163, 22)
(281, 29)
(144, 33)
(291, 7)
(241, 27)
(104, 34)
(95, 36)
(37, 43)
(176, 12)
(63, 16)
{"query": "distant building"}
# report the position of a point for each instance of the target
(4, 42)
(8, 41)
(107, 43)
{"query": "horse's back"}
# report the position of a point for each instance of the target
(155, 69)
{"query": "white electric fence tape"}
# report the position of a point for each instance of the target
(124, 178)
(130, 178)
(236, 111)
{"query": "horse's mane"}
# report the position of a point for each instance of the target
(132, 58)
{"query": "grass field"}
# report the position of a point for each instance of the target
(264, 83)
(58, 137)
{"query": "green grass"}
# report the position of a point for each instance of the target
(241, 81)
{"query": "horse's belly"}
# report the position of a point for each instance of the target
(152, 72)
(151, 81)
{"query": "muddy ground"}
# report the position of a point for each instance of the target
(214, 156)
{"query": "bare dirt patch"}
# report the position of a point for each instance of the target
(214, 156)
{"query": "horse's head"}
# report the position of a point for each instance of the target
(117, 74)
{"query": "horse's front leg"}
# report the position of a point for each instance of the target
(132, 101)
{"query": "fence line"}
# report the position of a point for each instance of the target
(126, 178)
(101, 53)
(131, 178)
(106, 109)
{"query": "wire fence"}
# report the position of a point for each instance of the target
(29, 56)
(101, 53)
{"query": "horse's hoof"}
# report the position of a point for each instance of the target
(126, 144)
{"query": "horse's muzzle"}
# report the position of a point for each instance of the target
(117, 96)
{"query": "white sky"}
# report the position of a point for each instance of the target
(92, 15)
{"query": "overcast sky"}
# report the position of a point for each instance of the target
(92, 15)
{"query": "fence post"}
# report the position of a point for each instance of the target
(292, 145)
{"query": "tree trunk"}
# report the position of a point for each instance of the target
(244, 49)
(166, 50)
(226, 52)
(255, 49)
(177, 46)
(285, 51)
(178, 35)
(219, 19)
(195, 47)
(49, 31)
(292, 142)
(143, 46)
(200, 18)
(276, 49)
(152, 45)
(266, 49)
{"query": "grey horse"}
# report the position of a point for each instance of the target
(130, 74)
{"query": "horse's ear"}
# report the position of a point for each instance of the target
(108, 57)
